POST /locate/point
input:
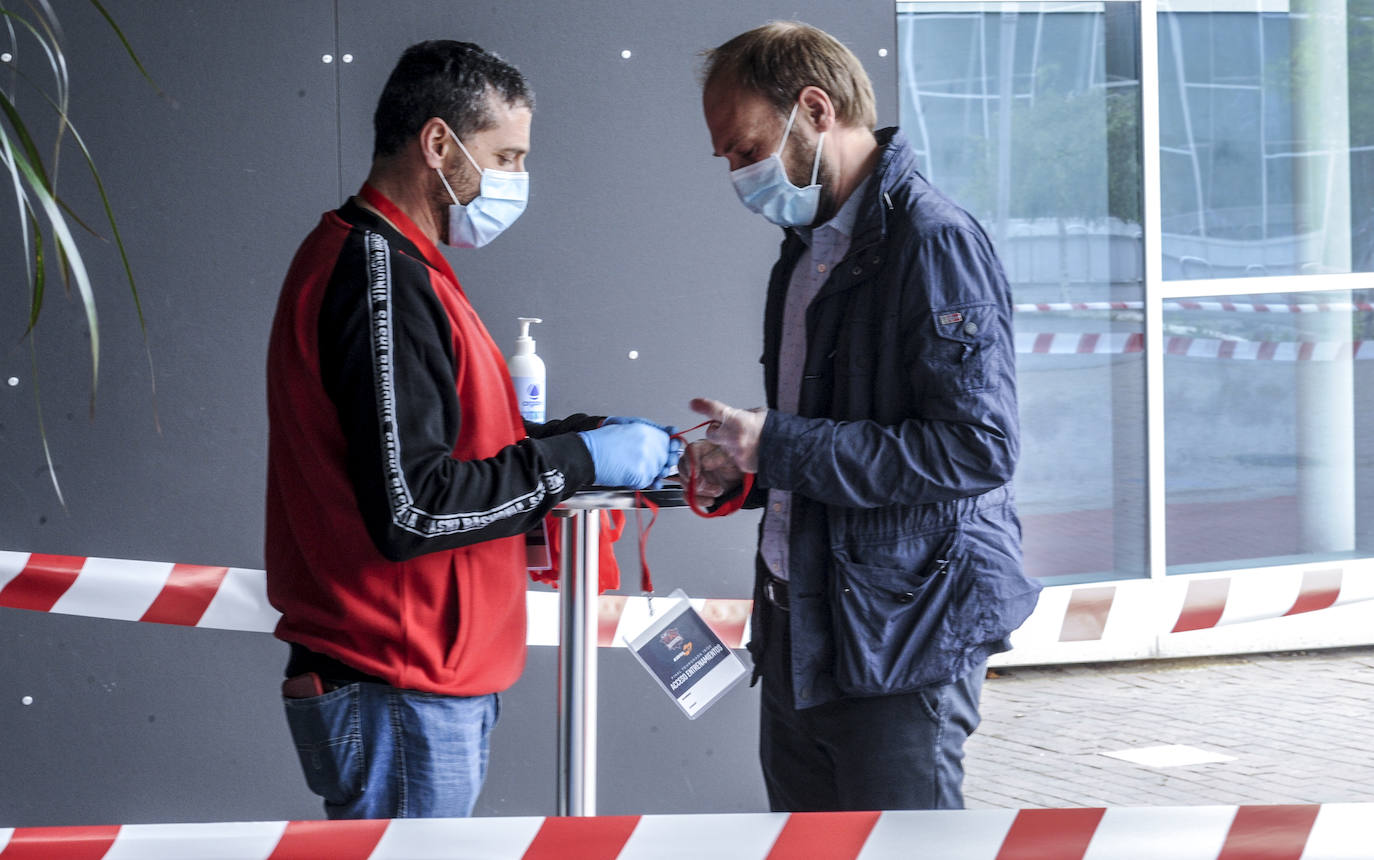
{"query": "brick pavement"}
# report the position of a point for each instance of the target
(1300, 726)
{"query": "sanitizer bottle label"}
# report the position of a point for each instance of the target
(529, 392)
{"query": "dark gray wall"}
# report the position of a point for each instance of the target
(633, 241)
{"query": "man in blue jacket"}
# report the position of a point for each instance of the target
(889, 562)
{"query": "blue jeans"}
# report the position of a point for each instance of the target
(373, 751)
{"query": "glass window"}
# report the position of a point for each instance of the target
(1028, 115)
(1266, 137)
(1269, 429)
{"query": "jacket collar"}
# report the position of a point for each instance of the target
(896, 162)
(408, 228)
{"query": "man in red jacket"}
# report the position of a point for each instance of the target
(401, 478)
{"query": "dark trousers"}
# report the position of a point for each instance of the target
(885, 752)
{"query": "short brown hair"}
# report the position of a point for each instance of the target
(781, 58)
(454, 81)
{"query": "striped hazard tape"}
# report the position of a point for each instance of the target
(1311, 832)
(1241, 307)
(1066, 618)
(1121, 343)
(228, 598)
(1198, 614)
(1208, 602)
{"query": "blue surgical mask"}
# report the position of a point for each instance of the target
(499, 201)
(763, 187)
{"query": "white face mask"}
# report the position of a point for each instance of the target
(764, 187)
(499, 201)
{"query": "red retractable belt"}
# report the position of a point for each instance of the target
(689, 486)
(689, 492)
(614, 525)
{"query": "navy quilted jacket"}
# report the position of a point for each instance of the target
(905, 546)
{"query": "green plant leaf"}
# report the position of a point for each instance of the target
(127, 47)
(67, 247)
(22, 132)
(114, 227)
(47, 40)
(38, 278)
(27, 220)
(35, 186)
(42, 432)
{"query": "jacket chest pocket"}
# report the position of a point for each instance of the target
(851, 350)
(961, 354)
(845, 323)
(893, 613)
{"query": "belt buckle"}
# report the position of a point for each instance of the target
(772, 587)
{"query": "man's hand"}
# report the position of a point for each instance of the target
(737, 431)
(710, 468)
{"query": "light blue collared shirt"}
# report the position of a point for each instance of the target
(826, 246)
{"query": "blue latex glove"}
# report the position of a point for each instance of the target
(631, 455)
(675, 446)
(633, 419)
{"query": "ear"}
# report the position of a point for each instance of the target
(434, 142)
(817, 108)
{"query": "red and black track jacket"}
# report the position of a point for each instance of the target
(400, 477)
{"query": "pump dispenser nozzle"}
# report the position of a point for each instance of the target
(524, 344)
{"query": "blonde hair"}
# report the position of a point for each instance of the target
(781, 58)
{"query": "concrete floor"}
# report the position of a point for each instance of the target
(1296, 726)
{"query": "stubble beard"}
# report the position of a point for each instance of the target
(465, 186)
(799, 159)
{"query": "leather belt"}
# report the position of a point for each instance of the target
(776, 591)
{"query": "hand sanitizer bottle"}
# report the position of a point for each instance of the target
(527, 372)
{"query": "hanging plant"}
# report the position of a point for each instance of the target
(37, 88)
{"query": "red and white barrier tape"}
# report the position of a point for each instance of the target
(228, 598)
(236, 599)
(1241, 307)
(1197, 614)
(1082, 613)
(1310, 832)
(619, 616)
(1117, 343)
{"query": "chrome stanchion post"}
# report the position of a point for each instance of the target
(578, 584)
(569, 667)
(589, 557)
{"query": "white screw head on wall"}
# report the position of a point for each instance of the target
(327, 59)
(347, 58)
(13, 381)
(634, 353)
(625, 55)
(882, 52)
